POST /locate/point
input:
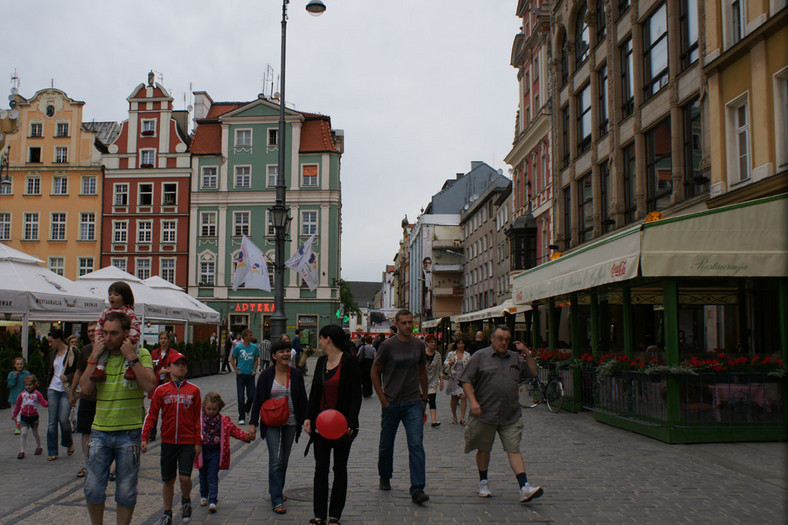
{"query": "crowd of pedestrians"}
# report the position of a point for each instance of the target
(404, 371)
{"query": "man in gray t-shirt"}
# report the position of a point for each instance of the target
(399, 375)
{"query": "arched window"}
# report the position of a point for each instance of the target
(581, 36)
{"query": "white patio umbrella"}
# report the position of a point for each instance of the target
(149, 304)
(197, 311)
(31, 292)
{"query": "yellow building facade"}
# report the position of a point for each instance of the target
(746, 63)
(52, 207)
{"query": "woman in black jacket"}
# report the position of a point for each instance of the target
(336, 385)
(275, 382)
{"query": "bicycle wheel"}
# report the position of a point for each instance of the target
(530, 393)
(555, 395)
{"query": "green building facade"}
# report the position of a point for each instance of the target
(234, 167)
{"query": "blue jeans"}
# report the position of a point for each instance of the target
(279, 441)
(122, 446)
(59, 407)
(411, 415)
(244, 383)
(209, 475)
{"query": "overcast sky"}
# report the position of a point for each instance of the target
(420, 87)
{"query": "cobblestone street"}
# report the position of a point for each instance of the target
(591, 473)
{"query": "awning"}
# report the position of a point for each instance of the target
(432, 323)
(490, 313)
(610, 260)
(742, 240)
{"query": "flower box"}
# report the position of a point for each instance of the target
(145, 166)
(148, 133)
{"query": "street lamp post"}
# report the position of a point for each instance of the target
(279, 212)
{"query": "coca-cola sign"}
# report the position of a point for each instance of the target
(619, 269)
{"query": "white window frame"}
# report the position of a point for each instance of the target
(89, 185)
(733, 136)
(60, 185)
(61, 154)
(148, 124)
(120, 189)
(57, 265)
(207, 273)
(57, 230)
(144, 232)
(269, 136)
(730, 36)
(5, 226)
(269, 224)
(165, 192)
(31, 229)
(169, 231)
(238, 227)
(119, 262)
(85, 265)
(120, 232)
(87, 226)
(57, 129)
(39, 126)
(271, 170)
(148, 154)
(33, 186)
(144, 188)
(211, 224)
(242, 177)
(309, 227)
(208, 176)
(167, 265)
(142, 268)
(316, 176)
(239, 135)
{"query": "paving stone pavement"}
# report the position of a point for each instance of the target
(591, 473)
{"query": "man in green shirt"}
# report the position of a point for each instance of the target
(117, 428)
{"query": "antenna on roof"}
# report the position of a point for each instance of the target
(268, 81)
(15, 83)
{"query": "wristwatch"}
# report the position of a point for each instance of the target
(134, 361)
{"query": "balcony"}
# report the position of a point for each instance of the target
(446, 244)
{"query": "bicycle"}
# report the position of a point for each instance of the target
(532, 391)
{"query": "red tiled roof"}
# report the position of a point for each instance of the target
(316, 134)
(207, 139)
(220, 108)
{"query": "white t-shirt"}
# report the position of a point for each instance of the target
(292, 357)
(59, 365)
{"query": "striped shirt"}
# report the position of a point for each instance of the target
(119, 402)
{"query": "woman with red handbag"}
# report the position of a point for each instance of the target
(280, 406)
(336, 385)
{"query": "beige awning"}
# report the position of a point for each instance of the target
(490, 313)
(742, 240)
(432, 323)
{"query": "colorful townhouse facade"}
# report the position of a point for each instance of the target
(146, 189)
(50, 205)
(234, 169)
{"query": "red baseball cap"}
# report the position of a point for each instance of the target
(177, 356)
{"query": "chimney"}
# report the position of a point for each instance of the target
(202, 104)
(475, 164)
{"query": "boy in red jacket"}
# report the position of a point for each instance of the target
(181, 435)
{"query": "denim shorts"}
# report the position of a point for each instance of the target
(122, 446)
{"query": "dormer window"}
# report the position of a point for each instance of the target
(148, 127)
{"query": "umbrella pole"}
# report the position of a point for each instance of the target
(25, 332)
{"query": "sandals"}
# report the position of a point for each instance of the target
(436, 424)
(38, 451)
(454, 421)
(71, 450)
(280, 509)
(462, 421)
(81, 473)
(51, 458)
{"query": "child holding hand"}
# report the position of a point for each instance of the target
(216, 432)
(26, 407)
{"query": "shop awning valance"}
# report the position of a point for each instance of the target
(742, 240)
(491, 313)
(432, 323)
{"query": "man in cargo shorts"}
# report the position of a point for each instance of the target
(491, 383)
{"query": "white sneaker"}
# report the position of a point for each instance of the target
(241, 421)
(484, 489)
(212, 507)
(203, 502)
(529, 492)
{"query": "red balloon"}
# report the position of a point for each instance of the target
(331, 424)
